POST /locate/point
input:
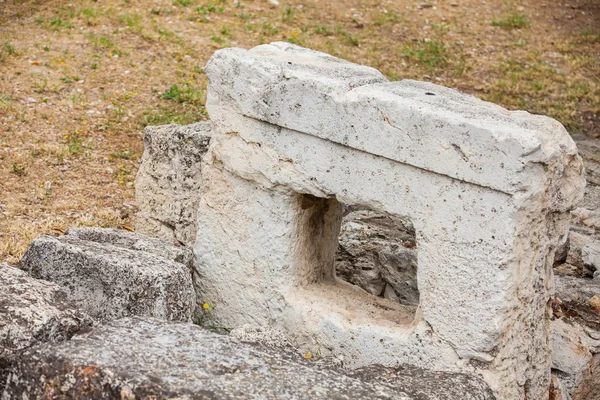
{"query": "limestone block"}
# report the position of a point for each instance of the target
(134, 241)
(146, 358)
(168, 181)
(32, 311)
(110, 282)
(298, 133)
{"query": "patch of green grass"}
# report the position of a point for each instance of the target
(208, 8)
(7, 50)
(74, 144)
(385, 17)
(322, 30)
(217, 39)
(244, 16)
(76, 99)
(183, 3)
(57, 23)
(40, 84)
(169, 116)
(131, 20)
(88, 12)
(104, 42)
(430, 54)
(18, 170)
(269, 30)
(349, 39)
(6, 103)
(512, 21)
(184, 94)
(123, 154)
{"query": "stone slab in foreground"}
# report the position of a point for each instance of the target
(109, 281)
(32, 311)
(146, 358)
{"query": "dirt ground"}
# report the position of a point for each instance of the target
(79, 80)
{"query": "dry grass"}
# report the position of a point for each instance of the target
(80, 79)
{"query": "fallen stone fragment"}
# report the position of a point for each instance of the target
(146, 358)
(169, 180)
(32, 311)
(134, 241)
(110, 282)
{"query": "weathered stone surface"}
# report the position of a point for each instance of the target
(110, 282)
(296, 133)
(575, 263)
(589, 149)
(377, 253)
(32, 311)
(590, 256)
(590, 386)
(169, 180)
(145, 358)
(569, 355)
(134, 241)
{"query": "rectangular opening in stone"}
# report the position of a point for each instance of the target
(378, 253)
(356, 262)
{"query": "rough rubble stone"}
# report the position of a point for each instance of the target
(146, 358)
(590, 256)
(575, 334)
(110, 282)
(585, 221)
(589, 149)
(134, 241)
(569, 355)
(589, 389)
(298, 133)
(32, 311)
(169, 180)
(377, 253)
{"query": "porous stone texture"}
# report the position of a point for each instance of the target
(296, 133)
(134, 241)
(575, 332)
(590, 385)
(570, 357)
(144, 358)
(377, 253)
(32, 311)
(109, 281)
(575, 337)
(583, 245)
(169, 180)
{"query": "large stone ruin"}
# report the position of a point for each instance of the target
(400, 234)
(299, 135)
